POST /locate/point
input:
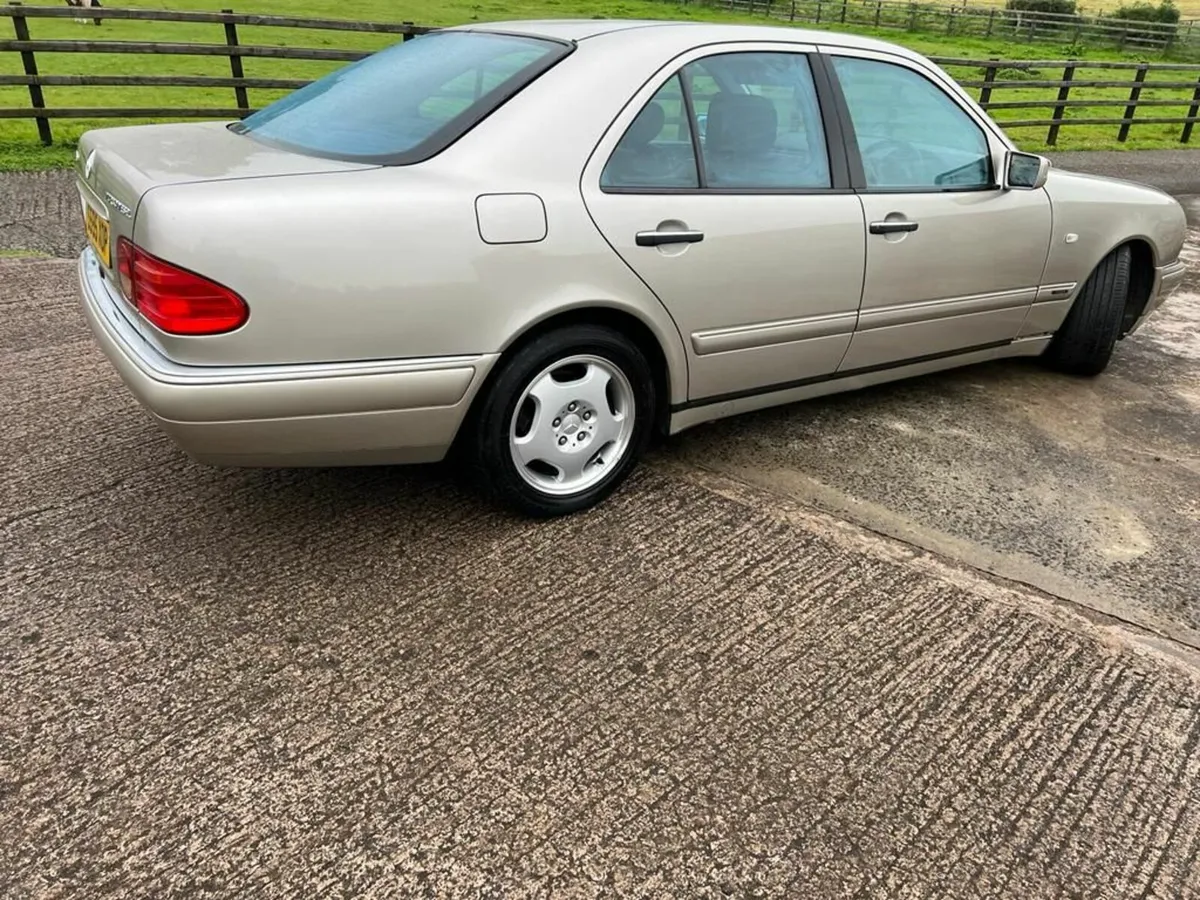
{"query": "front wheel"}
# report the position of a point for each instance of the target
(1084, 344)
(564, 421)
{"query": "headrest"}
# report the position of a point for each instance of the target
(647, 125)
(742, 123)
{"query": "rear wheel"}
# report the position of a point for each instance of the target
(564, 422)
(1085, 342)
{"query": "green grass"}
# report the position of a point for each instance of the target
(19, 148)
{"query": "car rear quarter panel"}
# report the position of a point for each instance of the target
(386, 263)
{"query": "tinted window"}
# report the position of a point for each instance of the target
(405, 103)
(759, 120)
(656, 150)
(910, 133)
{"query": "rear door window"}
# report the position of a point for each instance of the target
(760, 121)
(738, 122)
(656, 150)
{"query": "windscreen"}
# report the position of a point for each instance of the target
(408, 102)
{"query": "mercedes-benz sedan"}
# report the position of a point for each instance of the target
(538, 245)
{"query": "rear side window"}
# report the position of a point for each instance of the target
(406, 103)
(656, 150)
(755, 117)
(759, 121)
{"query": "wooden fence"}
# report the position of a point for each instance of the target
(1172, 90)
(230, 47)
(1072, 81)
(965, 20)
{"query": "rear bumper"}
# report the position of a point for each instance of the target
(393, 411)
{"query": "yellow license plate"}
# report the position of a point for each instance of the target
(98, 234)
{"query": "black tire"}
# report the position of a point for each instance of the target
(487, 449)
(1084, 343)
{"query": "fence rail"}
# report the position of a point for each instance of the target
(230, 48)
(1180, 78)
(1051, 92)
(965, 20)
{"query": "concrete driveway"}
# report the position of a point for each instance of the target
(757, 672)
(1088, 489)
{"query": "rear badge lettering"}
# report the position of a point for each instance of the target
(118, 205)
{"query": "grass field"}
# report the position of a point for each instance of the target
(19, 148)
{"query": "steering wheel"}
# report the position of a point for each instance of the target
(893, 163)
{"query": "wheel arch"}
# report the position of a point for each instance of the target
(666, 356)
(1142, 274)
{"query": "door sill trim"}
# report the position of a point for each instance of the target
(833, 376)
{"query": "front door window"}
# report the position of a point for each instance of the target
(911, 135)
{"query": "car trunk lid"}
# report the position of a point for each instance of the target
(116, 167)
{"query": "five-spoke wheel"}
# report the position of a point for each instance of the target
(573, 421)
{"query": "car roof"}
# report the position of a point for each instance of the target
(666, 29)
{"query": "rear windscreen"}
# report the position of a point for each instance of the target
(406, 103)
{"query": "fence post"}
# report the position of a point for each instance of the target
(991, 22)
(1064, 91)
(818, 20)
(844, 2)
(950, 21)
(989, 75)
(878, 11)
(792, 17)
(1136, 92)
(912, 17)
(235, 65)
(408, 34)
(29, 61)
(1193, 111)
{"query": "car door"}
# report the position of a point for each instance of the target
(953, 261)
(716, 185)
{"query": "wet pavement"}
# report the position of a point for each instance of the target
(774, 666)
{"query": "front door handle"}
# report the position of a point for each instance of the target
(658, 238)
(892, 227)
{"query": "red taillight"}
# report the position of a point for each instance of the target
(176, 300)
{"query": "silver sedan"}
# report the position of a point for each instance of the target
(538, 246)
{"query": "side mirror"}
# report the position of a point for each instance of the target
(1024, 171)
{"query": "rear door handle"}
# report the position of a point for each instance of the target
(892, 227)
(658, 238)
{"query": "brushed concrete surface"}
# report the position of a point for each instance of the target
(40, 213)
(1086, 488)
(361, 684)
